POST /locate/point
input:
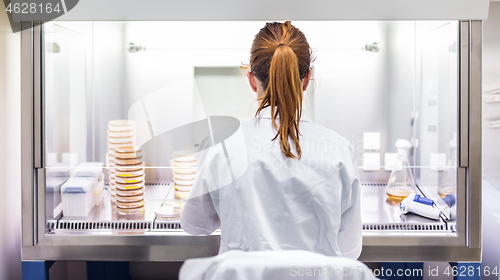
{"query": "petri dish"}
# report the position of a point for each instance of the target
(131, 211)
(186, 154)
(181, 195)
(129, 172)
(182, 188)
(192, 164)
(121, 125)
(133, 198)
(128, 161)
(125, 133)
(184, 182)
(127, 204)
(129, 192)
(185, 171)
(168, 212)
(184, 176)
(129, 166)
(119, 140)
(127, 180)
(117, 145)
(129, 152)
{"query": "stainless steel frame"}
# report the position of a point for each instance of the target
(176, 245)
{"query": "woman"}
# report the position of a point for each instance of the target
(288, 183)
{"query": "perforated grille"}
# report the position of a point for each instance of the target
(51, 225)
(374, 184)
(95, 225)
(453, 227)
(404, 227)
(427, 184)
(166, 225)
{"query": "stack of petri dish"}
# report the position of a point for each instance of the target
(184, 173)
(121, 133)
(129, 180)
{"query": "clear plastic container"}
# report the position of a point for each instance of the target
(89, 169)
(448, 183)
(99, 193)
(59, 170)
(78, 196)
(54, 184)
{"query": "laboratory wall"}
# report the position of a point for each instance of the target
(491, 145)
(10, 150)
(491, 74)
(352, 90)
(184, 71)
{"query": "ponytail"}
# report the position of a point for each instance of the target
(284, 96)
(280, 58)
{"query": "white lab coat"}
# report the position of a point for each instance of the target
(272, 265)
(262, 200)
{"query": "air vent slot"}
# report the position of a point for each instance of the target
(162, 225)
(96, 225)
(404, 227)
(374, 184)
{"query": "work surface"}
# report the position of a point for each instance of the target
(379, 214)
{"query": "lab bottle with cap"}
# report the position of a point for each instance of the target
(448, 183)
(401, 183)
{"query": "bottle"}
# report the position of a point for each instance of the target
(401, 183)
(448, 183)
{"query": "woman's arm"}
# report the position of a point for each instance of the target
(351, 227)
(199, 216)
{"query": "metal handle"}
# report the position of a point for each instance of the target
(27, 188)
(474, 186)
(463, 98)
(37, 96)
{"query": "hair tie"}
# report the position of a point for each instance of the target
(280, 44)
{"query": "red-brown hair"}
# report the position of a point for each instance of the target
(280, 58)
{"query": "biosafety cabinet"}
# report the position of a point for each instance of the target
(382, 72)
